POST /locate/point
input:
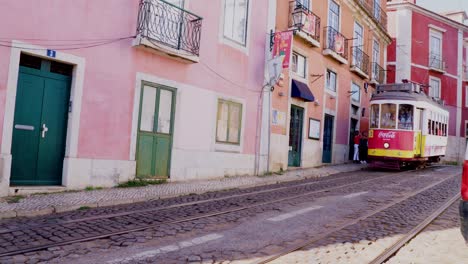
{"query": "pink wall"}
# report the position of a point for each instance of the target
(110, 71)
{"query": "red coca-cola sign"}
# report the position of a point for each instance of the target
(387, 135)
(397, 140)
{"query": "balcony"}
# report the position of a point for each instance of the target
(335, 45)
(360, 64)
(374, 11)
(306, 21)
(169, 30)
(436, 63)
(378, 74)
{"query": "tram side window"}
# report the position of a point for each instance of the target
(433, 132)
(405, 117)
(374, 116)
(387, 116)
(429, 130)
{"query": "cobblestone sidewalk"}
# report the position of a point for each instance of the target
(60, 202)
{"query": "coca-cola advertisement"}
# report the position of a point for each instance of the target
(402, 140)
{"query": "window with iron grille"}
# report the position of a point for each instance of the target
(229, 121)
(235, 20)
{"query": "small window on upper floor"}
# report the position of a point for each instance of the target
(355, 93)
(434, 89)
(298, 65)
(331, 80)
(235, 20)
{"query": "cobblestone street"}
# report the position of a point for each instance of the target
(348, 217)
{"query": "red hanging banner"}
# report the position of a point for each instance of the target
(309, 24)
(282, 46)
(339, 44)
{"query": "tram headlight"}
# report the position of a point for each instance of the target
(386, 145)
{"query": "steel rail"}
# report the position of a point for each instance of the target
(347, 224)
(136, 229)
(392, 250)
(204, 201)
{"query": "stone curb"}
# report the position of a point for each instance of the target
(286, 177)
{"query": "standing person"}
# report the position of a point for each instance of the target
(363, 148)
(357, 139)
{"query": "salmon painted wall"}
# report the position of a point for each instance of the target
(110, 70)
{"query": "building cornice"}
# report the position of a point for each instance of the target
(429, 13)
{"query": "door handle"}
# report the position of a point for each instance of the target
(44, 130)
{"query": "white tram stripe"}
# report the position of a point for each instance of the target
(354, 195)
(293, 214)
(174, 247)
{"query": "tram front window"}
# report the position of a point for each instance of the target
(387, 116)
(374, 116)
(405, 117)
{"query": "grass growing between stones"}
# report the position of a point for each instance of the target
(84, 208)
(91, 188)
(14, 199)
(140, 183)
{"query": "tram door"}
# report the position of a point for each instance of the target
(418, 125)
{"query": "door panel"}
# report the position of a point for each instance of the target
(155, 131)
(295, 136)
(25, 143)
(52, 140)
(41, 105)
(327, 139)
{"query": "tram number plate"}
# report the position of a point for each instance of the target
(371, 133)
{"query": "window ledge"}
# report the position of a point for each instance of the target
(336, 56)
(359, 72)
(225, 147)
(437, 70)
(308, 38)
(142, 42)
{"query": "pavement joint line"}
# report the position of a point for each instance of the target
(293, 214)
(354, 195)
(170, 248)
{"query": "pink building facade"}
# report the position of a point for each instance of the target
(430, 49)
(99, 92)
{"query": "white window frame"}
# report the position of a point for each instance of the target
(327, 84)
(228, 40)
(431, 92)
(339, 14)
(375, 56)
(358, 42)
(301, 73)
(305, 3)
(466, 96)
(353, 95)
(438, 35)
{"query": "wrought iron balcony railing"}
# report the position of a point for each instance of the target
(378, 73)
(436, 62)
(164, 23)
(336, 42)
(304, 19)
(375, 11)
(360, 60)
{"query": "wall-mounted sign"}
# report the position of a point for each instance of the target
(278, 118)
(314, 128)
(51, 53)
(282, 46)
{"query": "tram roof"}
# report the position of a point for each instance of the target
(404, 91)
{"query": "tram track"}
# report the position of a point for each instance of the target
(124, 227)
(392, 250)
(389, 251)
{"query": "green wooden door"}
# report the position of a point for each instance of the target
(39, 126)
(155, 131)
(295, 136)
